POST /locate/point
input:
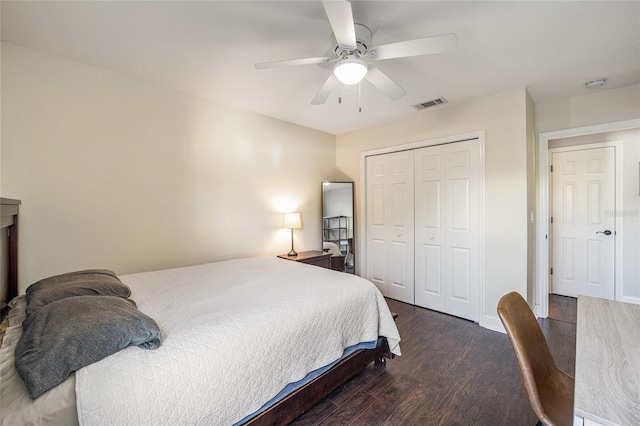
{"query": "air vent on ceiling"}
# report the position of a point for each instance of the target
(430, 103)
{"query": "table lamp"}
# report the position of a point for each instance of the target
(292, 221)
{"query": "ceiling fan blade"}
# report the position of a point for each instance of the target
(421, 46)
(291, 62)
(327, 88)
(384, 83)
(341, 20)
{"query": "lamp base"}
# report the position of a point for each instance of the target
(292, 253)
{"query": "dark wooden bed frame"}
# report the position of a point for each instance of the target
(9, 258)
(281, 413)
(310, 394)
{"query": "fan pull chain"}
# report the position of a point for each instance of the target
(339, 93)
(359, 97)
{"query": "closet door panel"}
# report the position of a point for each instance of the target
(401, 231)
(430, 291)
(429, 278)
(430, 204)
(390, 228)
(376, 269)
(460, 271)
(377, 205)
(457, 232)
(458, 195)
(400, 284)
(378, 263)
(463, 230)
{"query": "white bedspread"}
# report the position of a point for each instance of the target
(235, 333)
(56, 406)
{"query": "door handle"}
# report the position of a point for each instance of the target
(607, 232)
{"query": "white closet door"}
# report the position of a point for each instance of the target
(390, 232)
(447, 228)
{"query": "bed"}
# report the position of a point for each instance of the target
(245, 341)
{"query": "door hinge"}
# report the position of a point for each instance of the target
(552, 168)
(551, 271)
(551, 219)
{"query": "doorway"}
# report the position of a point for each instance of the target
(583, 230)
(543, 225)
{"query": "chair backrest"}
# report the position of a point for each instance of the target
(529, 345)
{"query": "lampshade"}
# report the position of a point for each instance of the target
(291, 221)
(350, 70)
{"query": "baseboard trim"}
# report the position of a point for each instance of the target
(493, 323)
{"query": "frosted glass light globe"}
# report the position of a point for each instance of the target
(350, 71)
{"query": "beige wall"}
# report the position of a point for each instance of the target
(503, 118)
(602, 106)
(115, 172)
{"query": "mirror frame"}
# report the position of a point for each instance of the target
(346, 234)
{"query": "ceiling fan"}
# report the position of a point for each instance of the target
(353, 54)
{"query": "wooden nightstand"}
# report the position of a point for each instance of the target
(313, 257)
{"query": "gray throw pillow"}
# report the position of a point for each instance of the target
(68, 334)
(90, 282)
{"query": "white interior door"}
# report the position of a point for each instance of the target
(583, 222)
(390, 232)
(447, 223)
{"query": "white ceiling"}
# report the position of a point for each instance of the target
(208, 49)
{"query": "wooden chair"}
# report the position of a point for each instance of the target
(549, 389)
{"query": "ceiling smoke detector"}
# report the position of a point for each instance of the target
(596, 83)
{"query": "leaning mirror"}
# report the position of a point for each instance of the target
(337, 225)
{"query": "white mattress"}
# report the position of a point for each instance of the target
(235, 333)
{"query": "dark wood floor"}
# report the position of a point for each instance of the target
(451, 372)
(563, 308)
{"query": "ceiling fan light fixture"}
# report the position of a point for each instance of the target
(350, 71)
